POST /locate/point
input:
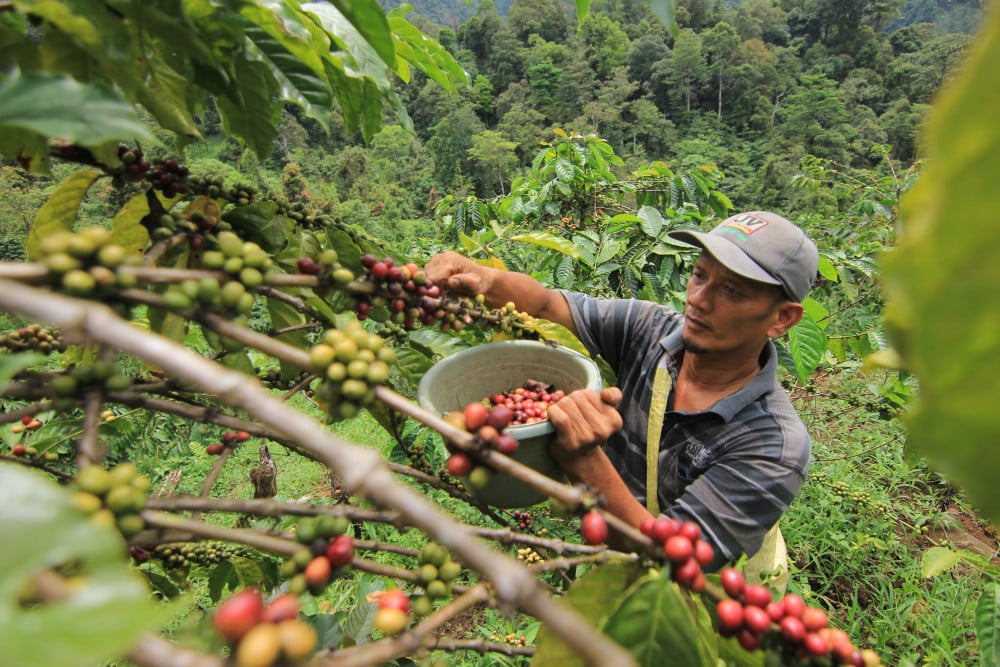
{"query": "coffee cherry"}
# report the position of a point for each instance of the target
(756, 619)
(499, 417)
(505, 443)
(814, 619)
(237, 615)
(459, 464)
(794, 605)
(730, 615)
(391, 621)
(594, 528)
(757, 595)
(733, 582)
(678, 548)
(260, 647)
(282, 608)
(792, 628)
(297, 638)
(308, 266)
(19, 450)
(664, 528)
(394, 598)
(318, 572)
(215, 449)
(341, 550)
(476, 415)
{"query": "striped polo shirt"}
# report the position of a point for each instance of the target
(734, 467)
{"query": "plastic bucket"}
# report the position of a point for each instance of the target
(481, 371)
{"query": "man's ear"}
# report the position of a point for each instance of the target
(787, 315)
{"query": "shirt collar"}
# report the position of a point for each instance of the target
(727, 408)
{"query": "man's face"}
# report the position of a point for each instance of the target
(728, 313)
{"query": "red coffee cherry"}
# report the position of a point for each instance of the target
(730, 614)
(475, 416)
(756, 619)
(236, 616)
(757, 595)
(394, 598)
(341, 550)
(593, 528)
(459, 464)
(678, 548)
(733, 582)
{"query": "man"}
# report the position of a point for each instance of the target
(727, 448)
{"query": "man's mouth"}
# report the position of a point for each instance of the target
(696, 323)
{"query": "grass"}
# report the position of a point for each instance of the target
(859, 530)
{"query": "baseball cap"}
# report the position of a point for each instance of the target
(761, 246)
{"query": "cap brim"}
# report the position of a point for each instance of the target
(728, 254)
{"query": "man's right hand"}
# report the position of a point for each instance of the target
(584, 420)
(455, 273)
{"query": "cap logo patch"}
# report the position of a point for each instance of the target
(743, 224)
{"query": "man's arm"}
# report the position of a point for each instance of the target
(461, 275)
(584, 420)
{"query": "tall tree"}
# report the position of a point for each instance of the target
(493, 156)
(721, 43)
(605, 44)
(549, 19)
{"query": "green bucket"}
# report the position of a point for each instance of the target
(481, 371)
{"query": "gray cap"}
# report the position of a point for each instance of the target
(761, 246)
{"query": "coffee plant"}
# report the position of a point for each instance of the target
(153, 312)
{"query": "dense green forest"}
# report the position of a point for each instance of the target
(752, 88)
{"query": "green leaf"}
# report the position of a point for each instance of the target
(652, 221)
(988, 626)
(127, 229)
(59, 212)
(593, 595)
(827, 269)
(284, 315)
(58, 106)
(261, 224)
(295, 50)
(550, 241)
(656, 625)
(937, 560)
(425, 54)
(104, 613)
(12, 364)
(165, 96)
(946, 329)
(806, 344)
(250, 108)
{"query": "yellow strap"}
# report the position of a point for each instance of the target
(657, 408)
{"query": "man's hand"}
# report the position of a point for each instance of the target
(457, 274)
(583, 421)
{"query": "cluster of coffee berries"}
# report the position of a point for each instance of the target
(112, 497)
(393, 614)
(264, 634)
(751, 614)
(169, 177)
(683, 547)
(28, 423)
(182, 555)
(435, 571)
(523, 519)
(528, 403)
(100, 374)
(511, 638)
(244, 260)
(326, 267)
(400, 289)
(136, 165)
(34, 338)
(87, 263)
(197, 225)
(351, 362)
(529, 556)
(329, 548)
(229, 439)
